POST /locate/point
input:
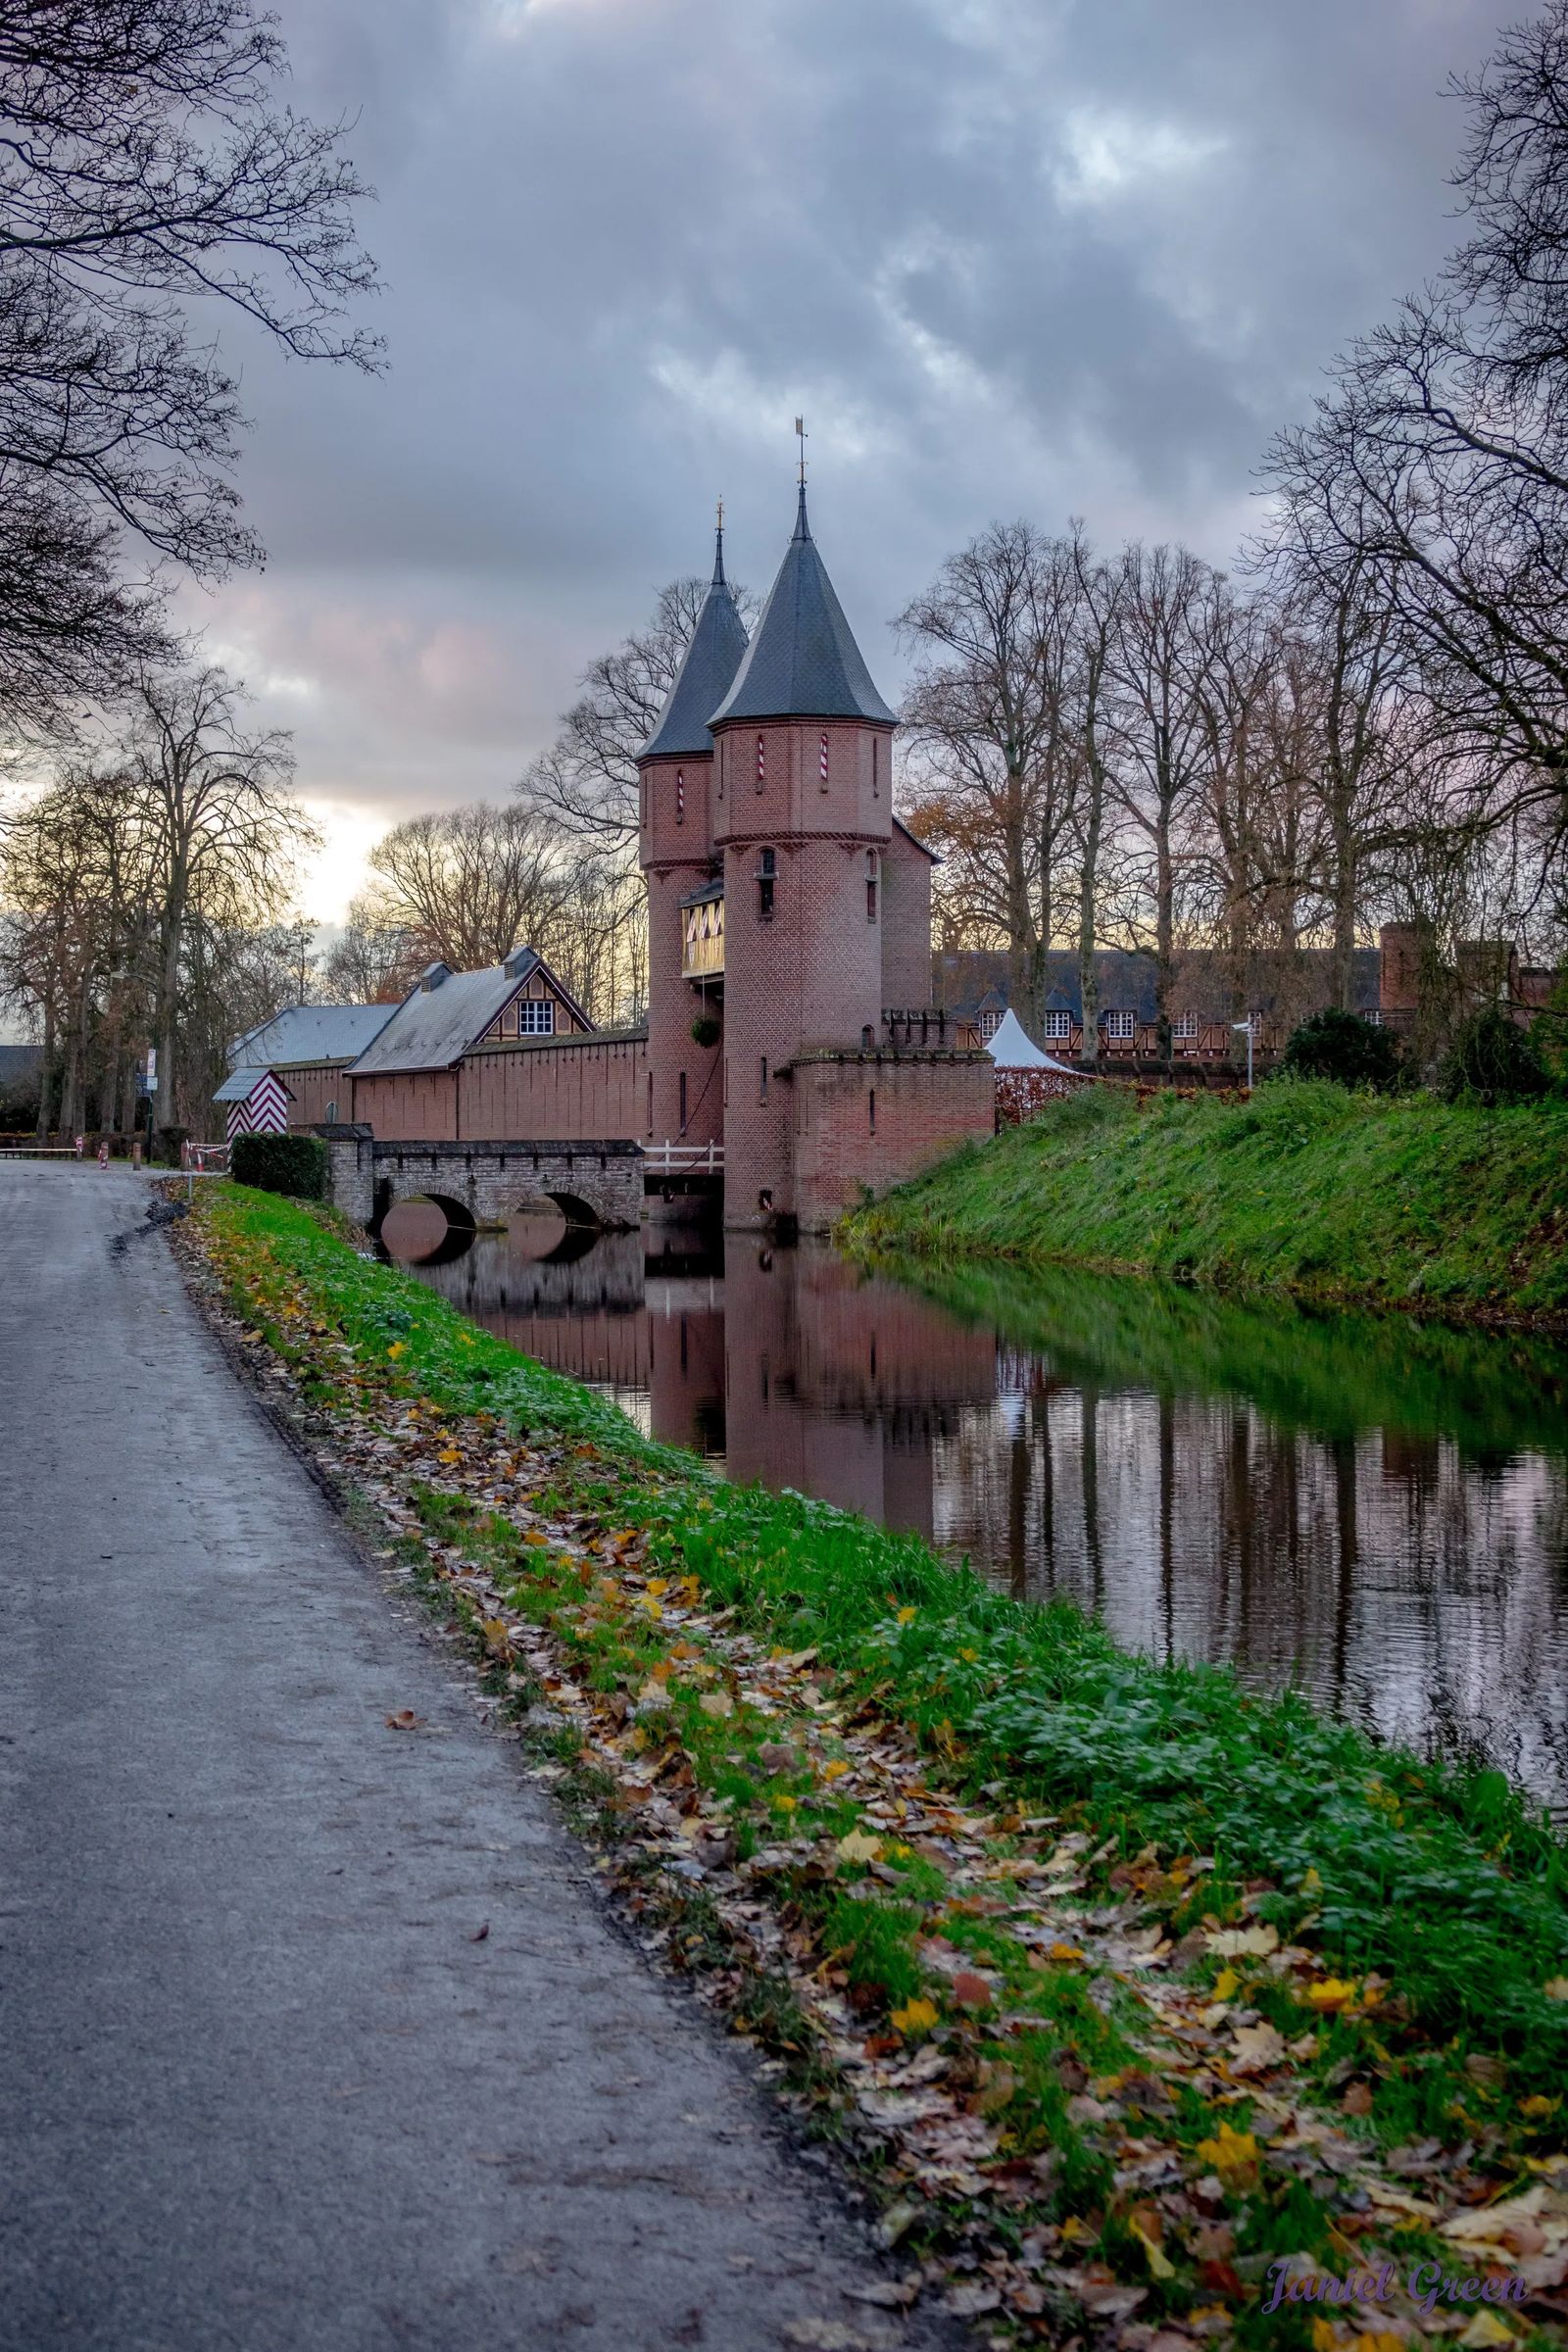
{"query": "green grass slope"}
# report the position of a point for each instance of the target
(1305, 1188)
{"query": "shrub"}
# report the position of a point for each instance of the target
(706, 1030)
(295, 1164)
(1493, 1061)
(1344, 1050)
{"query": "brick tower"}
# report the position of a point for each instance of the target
(802, 820)
(685, 900)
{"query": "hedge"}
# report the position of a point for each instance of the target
(295, 1164)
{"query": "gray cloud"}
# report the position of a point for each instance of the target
(1011, 256)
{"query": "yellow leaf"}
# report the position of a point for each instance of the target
(1485, 2330)
(1065, 1951)
(1537, 2107)
(1329, 1994)
(1158, 2266)
(657, 1584)
(1225, 1983)
(970, 1658)
(397, 1348)
(1231, 2154)
(836, 1770)
(1324, 2338)
(651, 1605)
(495, 1632)
(908, 1616)
(856, 1846)
(449, 1453)
(1312, 1885)
(716, 1702)
(915, 2017)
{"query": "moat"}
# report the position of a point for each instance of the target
(1375, 1506)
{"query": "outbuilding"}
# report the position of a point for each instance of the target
(255, 1102)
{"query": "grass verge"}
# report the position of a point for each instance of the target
(1182, 1979)
(1306, 1188)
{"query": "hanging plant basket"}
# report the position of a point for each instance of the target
(706, 1030)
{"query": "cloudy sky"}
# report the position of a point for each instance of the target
(1012, 256)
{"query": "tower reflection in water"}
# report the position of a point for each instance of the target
(1374, 1508)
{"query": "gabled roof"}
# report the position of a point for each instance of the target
(240, 1085)
(803, 660)
(311, 1033)
(707, 669)
(434, 1026)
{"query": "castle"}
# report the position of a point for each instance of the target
(788, 917)
(790, 1061)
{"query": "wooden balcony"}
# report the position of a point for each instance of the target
(701, 947)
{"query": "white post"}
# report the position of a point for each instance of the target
(1248, 1026)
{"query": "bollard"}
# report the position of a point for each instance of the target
(103, 1153)
(80, 1144)
(136, 1151)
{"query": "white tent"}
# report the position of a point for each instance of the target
(1011, 1048)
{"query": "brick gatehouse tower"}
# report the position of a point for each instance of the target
(790, 910)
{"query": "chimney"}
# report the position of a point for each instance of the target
(432, 976)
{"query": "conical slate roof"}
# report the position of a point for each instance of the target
(717, 643)
(803, 660)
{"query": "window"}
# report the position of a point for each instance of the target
(821, 764)
(1122, 1025)
(867, 1037)
(761, 764)
(767, 876)
(988, 1023)
(876, 765)
(650, 1106)
(1059, 1027)
(681, 795)
(536, 1016)
(870, 886)
(1184, 1024)
(870, 1104)
(331, 1113)
(683, 1101)
(762, 1081)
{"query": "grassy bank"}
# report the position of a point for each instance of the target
(1307, 1189)
(1143, 1982)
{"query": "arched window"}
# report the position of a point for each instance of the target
(762, 762)
(870, 885)
(767, 876)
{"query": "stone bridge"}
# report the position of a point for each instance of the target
(592, 1184)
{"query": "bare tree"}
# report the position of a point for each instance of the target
(991, 716)
(145, 170)
(377, 959)
(468, 885)
(1101, 588)
(1159, 671)
(224, 830)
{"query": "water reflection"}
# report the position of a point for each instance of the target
(1377, 1508)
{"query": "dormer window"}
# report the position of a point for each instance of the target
(1121, 1026)
(681, 795)
(1059, 1028)
(870, 885)
(767, 876)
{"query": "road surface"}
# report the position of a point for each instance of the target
(260, 2087)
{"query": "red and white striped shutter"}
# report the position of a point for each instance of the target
(762, 764)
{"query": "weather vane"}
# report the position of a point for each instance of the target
(721, 513)
(799, 430)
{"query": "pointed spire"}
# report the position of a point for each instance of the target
(803, 660)
(708, 668)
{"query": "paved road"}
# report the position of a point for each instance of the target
(258, 2086)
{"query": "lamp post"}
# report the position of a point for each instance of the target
(1248, 1026)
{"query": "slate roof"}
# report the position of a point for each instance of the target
(240, 1085)
(707, 669)
(968, 980)
(803, 660)
(309, 1033)
(434, 1027)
